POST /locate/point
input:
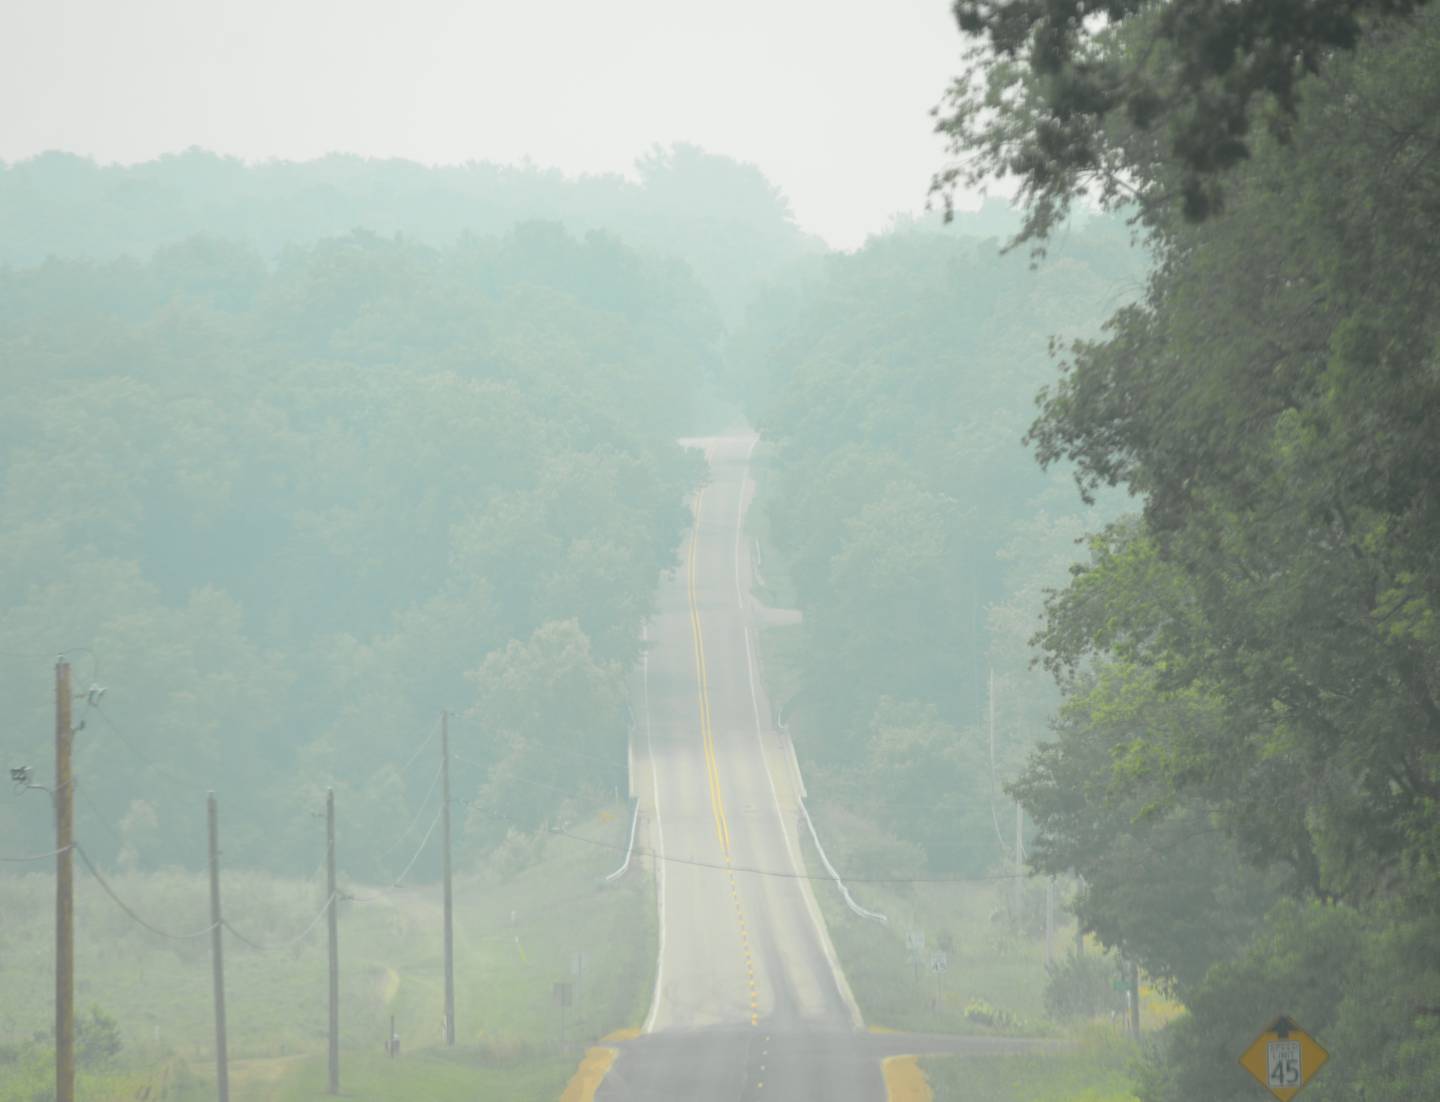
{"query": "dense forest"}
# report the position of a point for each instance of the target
(892, 388)
(292, 510)
(293, 488)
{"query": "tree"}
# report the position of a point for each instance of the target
(1076, 95)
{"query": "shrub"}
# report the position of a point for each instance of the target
(1082, 985)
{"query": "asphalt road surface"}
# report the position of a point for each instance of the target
(750, 1001)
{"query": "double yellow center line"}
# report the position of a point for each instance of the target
(712, 769)
(707, 736)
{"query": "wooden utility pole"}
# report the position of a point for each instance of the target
(217, 958)
(1050, 922)
(334, 941)
(1134, 999)
(1019, 864)
(64, 891)
(449, 901)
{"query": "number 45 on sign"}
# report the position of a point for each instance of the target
(1284, 1058)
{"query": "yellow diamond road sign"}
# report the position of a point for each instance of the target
(1284, 1058)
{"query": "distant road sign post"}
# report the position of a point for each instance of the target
(915, 944)
(939, 962)
(1284, 1058)
(563, 994)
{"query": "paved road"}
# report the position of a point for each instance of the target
(750, 1002)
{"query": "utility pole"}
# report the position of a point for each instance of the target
(1019, 861)
(449, 901)
(334, 941)
(64, 891)
(217, 959)
(1049, 922)
(1134, 999)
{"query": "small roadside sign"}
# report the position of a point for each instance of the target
(1284, 1058)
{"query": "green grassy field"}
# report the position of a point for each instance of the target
(1093, 1071)
(516, 936)
(995, 978)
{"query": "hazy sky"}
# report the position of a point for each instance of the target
(829, 97)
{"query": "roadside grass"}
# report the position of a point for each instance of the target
(994, 980)
(517, 934)
(435, 1075)
(1093, 1071)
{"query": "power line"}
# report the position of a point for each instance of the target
(420, 749)
(388, 888)
(418, 812)
(33, 857)
(104, 884)
(789, 874)
(279, 946)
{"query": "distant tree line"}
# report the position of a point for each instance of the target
(289, 509)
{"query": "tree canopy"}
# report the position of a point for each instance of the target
(1095, 96)
(1251, 666)
(294, 508)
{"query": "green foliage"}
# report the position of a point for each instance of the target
(290, 509)
(891, 388)
(1082, 985)
(97, 1038)
(1072, 95)
(1244, 772)
(980, 1012)
(1095, 1070)
(1357, 981)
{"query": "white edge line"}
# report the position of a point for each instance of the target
(659, 858)
(624, 865)
(841, 983)
(824, 860)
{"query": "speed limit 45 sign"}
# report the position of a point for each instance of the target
(1284, 1058)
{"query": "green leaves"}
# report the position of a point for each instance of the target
(291, 509)
(1091, 96)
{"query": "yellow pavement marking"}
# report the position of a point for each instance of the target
(904, 1081)
(712, 762)
(588, 1076)
(707, 736)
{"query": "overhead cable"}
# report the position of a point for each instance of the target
(276, 947)
(35, 856)
(104, 884)
(420, 749)
(786, 874)
(419, 811)
(388, 888)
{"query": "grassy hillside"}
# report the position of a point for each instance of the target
(516, 935)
